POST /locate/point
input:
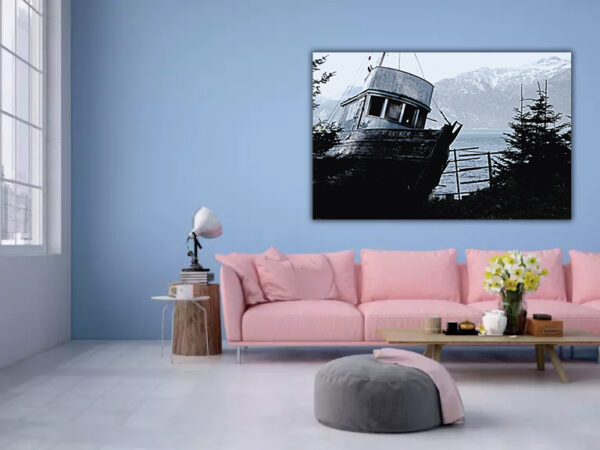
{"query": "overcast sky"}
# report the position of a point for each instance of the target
(350, 67)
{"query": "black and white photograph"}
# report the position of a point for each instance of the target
(441, 135)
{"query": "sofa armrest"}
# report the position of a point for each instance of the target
(232, 297)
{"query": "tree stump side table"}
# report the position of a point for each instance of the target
(188, 325)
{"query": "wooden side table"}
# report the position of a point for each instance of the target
(188, 325)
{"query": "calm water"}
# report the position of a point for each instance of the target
(487, 141)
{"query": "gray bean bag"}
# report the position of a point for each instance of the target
(357, 393)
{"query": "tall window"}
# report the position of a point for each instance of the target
(22, 129)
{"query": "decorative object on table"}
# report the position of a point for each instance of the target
(463, 328)
(181, 291)
(494, 322)
(511, 275)
(544, 327)
(466, 325)
(452, 328)
(206, 225)
(202, 277)
(198, 289)
(433, 324)
(542, 316)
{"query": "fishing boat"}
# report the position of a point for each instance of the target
(385, 161)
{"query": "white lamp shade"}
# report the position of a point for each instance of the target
(206, 224)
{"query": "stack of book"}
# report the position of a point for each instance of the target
(196, 277)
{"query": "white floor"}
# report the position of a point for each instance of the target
(122, 395)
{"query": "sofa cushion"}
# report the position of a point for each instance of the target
(575, 317)
(585, 268)
(243, 265)
(552, 286)
(409, 275)
(284, 278)
(342, 264)
(303, 321)
(408, 313)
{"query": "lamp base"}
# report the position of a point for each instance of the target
(195, 268)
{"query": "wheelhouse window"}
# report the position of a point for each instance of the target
(376, 105)
(408, 118)
(393, 111)
(22, 125)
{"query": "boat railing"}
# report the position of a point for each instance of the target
(484, 164)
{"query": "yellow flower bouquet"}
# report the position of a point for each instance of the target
(512, 274)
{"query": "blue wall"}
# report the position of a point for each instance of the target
(178, 104)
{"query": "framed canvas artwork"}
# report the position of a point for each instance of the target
(441, 135)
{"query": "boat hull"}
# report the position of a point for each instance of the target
(380, 173)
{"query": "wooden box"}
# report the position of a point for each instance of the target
(544, 327)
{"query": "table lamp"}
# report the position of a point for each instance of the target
(206, 225)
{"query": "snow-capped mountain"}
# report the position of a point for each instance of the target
(486, 98)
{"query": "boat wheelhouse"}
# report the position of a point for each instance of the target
(390, 98)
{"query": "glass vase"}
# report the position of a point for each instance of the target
(514, 306)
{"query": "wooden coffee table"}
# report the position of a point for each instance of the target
(434, 342)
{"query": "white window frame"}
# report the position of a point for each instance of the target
(43, 248)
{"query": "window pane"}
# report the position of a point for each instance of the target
(376, 106)
(393, 110)
(36, 156)
(22, 214)
(22, 152)
(36, 216)
(8, 24)
(7, 210)
(35, 41)
(8, 82)
(408, 116)
(23, 30)
(8, 147)
(36, 98)
(22, 90)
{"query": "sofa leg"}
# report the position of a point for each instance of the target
(239, 355)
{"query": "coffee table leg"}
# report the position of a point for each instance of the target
(428, 351)
(437, 352)
(540, 358)
(557, 364)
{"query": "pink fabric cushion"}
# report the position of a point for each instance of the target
(552, 286)
(585, 270)
(243, 265)
(409, 275)
(575, 317)
(411, 314)
(303, 321)
(295, 277)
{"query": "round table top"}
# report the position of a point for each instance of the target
(166, 298)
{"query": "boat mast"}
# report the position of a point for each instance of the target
(381, 59)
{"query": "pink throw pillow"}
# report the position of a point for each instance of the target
(585, 267)
(395, 275)
(342, 264)
(552, 286)
(309, 277)
(243, 265)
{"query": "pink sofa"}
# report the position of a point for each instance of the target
(339, 323)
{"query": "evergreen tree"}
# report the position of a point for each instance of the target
(318, 82)
(539, 149)
(324, 132)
